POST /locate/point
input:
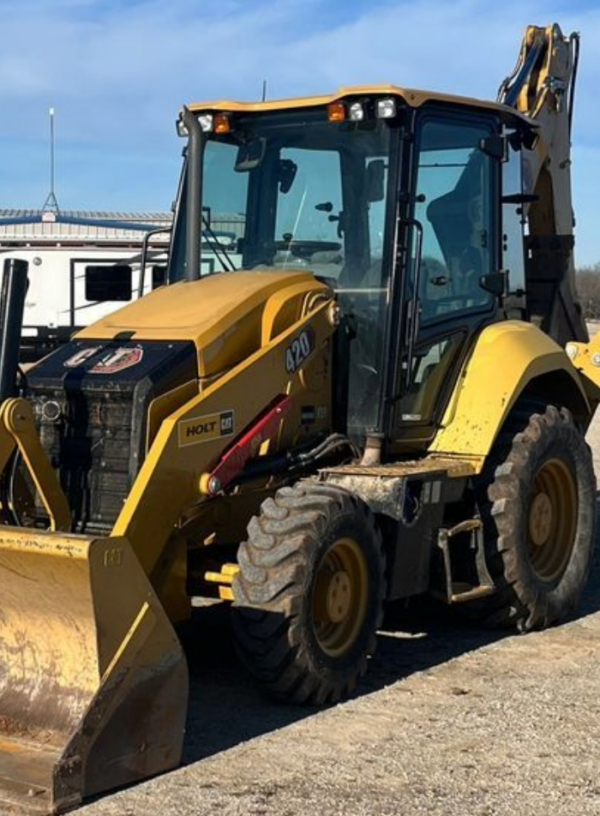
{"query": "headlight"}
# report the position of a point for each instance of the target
(356, 112)
(385, 108)
(206, 121)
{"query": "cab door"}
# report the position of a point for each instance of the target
(454, 249)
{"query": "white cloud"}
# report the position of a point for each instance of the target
(118, 71)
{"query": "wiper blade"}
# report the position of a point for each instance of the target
(215, 246)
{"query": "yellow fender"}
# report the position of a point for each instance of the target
(507, 358)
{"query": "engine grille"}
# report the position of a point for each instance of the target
(93, 427)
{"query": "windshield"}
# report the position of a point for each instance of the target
(293, 190)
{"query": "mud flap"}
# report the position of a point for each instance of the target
(93, 680)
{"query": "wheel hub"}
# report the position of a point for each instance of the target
(541, 519)
(339, 596)
(552, 520)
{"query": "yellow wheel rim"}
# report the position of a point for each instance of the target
(340, 597)
(552, 520)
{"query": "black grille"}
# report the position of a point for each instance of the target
(93, 425)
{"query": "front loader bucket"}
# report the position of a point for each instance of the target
(93, 680)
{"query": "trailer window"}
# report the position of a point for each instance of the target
(108, 282)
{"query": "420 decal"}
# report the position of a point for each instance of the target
(299, 350)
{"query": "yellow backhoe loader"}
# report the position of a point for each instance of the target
(379, 389)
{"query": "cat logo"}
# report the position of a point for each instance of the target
(205, 428)
(81, 356)
(117, 360)
(111, 361)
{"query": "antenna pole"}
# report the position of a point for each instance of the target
(51, 113)
(51, 204)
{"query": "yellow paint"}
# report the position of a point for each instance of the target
(224, 329)
(507, 356)
(285, 307)
(225, 576)
(17, 428)
(168, 483)
(410, 96)
(586, 359)
(81, 634)
(163, 405)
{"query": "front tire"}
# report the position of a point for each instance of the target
(537, 502)
(309, 594)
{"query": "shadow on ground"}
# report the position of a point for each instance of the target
(226, 707)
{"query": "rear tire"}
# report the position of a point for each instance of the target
(537, 500)
(309, 594)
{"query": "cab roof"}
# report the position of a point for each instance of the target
(413, 98)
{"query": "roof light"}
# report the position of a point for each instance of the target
(221, 123)
(181, 128)
(336, 112)
(386, 108)
(356, 112)
(206, 121)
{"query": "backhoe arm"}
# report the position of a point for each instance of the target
(542, 87)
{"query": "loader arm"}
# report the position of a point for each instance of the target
(93, 683)
(18, 431)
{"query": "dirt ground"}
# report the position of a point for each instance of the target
(450, 720)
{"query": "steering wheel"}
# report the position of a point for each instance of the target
(306, 249)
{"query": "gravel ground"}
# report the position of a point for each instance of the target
(450, 720)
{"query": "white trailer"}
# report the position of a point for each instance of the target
(81, 267)
(84, 265)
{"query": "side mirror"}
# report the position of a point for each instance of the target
(495, 283)
(495, 146)
(103, 283)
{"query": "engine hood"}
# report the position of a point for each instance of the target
(227, 315)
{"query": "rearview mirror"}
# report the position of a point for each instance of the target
(250, 156)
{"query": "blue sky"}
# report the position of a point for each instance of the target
(118, 71)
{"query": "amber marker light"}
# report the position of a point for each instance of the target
(221, 123)
(336, 112)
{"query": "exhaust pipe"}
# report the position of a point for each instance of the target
(193, 235)
(12, 305)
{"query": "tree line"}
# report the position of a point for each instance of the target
(588, 288)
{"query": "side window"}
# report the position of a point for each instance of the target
(454, 203)
(431, 367)
(512, 222)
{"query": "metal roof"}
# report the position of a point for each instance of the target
(138, 217)
(74, 227)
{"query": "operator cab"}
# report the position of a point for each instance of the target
(393, 199)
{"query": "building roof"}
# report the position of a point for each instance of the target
(21, 226)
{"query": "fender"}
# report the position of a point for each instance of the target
(508, 359)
